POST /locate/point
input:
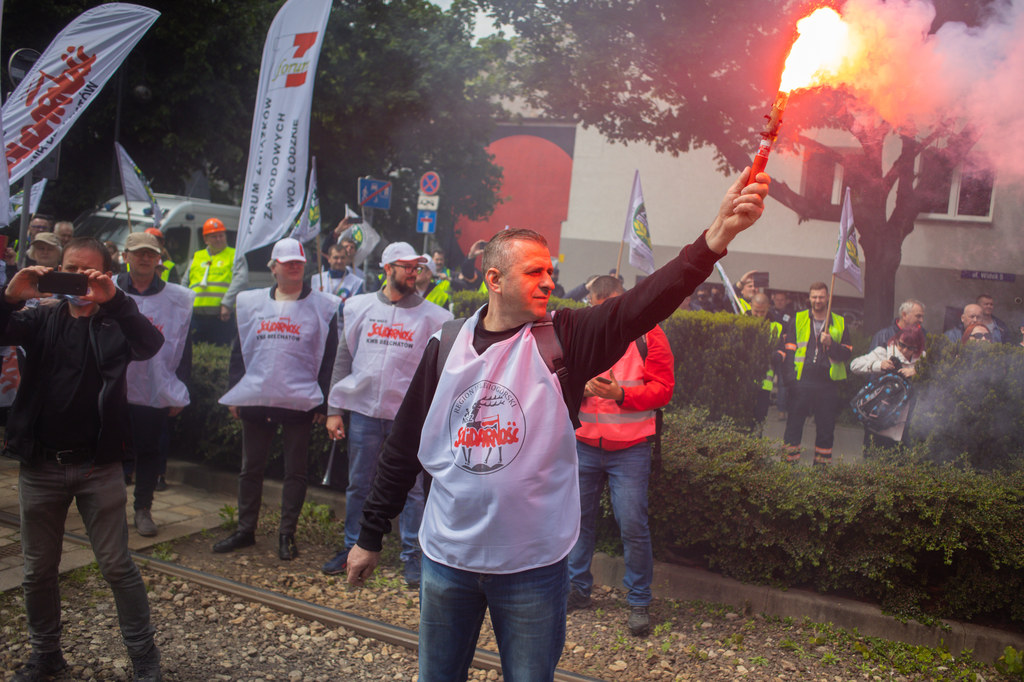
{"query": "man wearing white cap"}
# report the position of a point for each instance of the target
(383, 340)
(279, 375)
(156, 388)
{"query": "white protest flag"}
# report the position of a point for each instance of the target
(729, 289)
(365, 237)
(847, 262)
(637, 233)
(134, 183)
(18, 200)
(66, 78)
(308, 225)
(275, 180)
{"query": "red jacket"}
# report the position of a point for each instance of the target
(646, 386)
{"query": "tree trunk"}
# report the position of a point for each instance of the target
(882, 260)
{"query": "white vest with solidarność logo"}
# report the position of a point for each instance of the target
(386, 342)
(500, 447)
(282, 346)
(153, 382)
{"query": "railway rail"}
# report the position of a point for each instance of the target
(365, 627)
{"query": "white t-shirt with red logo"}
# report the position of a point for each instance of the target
(153, 382)
(386, 342)
(502, 453)
(283, 346)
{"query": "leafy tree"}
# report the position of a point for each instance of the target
(398, 92)
(684, 75)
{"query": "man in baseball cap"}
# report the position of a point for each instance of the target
(384, 334)
(291, 320)
(45, 249)
(156, 388)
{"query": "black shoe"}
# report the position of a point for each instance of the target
(147, 668)
(40, 667)
(639, 621)
(286, 549)
(236, 540)
(577, 600)
(161, 484)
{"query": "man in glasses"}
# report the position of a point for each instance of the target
(384, 336)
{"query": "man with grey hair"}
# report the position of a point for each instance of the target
(971, 314)
(911, 314)
(490, 415)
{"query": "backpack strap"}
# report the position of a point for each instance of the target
(543, 331)
(449, 330)
(551, 350)
(641, 346)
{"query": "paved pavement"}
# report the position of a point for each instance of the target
(196, 495)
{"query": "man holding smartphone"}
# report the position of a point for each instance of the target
(68, 428)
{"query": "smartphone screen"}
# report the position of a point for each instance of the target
(603, 380)
(56, 282)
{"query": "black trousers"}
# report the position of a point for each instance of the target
(821, 400)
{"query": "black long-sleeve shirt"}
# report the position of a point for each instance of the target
(592, 339)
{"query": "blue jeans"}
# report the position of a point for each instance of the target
(45, 493)
(527, 612)
(365, 437)
(627, 472)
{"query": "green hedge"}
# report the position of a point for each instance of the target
(970, 405)
(919, 538)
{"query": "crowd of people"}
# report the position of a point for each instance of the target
(489, 438)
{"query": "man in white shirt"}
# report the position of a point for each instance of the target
(384, 335)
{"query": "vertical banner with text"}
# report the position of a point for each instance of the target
(275, 179)
(66, 79)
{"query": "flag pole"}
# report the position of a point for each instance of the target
(319, 263)
(828, 311)
(618, 261)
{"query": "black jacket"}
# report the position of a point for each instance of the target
(118, 334)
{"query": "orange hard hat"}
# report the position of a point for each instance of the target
(213, 225)
(155, 232)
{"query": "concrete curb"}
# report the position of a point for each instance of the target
(672, 581)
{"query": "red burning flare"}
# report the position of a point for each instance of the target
(818, 53)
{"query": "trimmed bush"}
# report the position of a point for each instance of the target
(919, 538)
(970, 405)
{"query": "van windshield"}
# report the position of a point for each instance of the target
(109, 228)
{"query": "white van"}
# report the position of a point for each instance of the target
(182, 224)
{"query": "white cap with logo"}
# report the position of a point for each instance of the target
(288, 250)
(401, 251)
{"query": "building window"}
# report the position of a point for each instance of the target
(960, 192)
(822, 185)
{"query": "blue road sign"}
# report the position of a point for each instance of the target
(374, 193)
(426, 222)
